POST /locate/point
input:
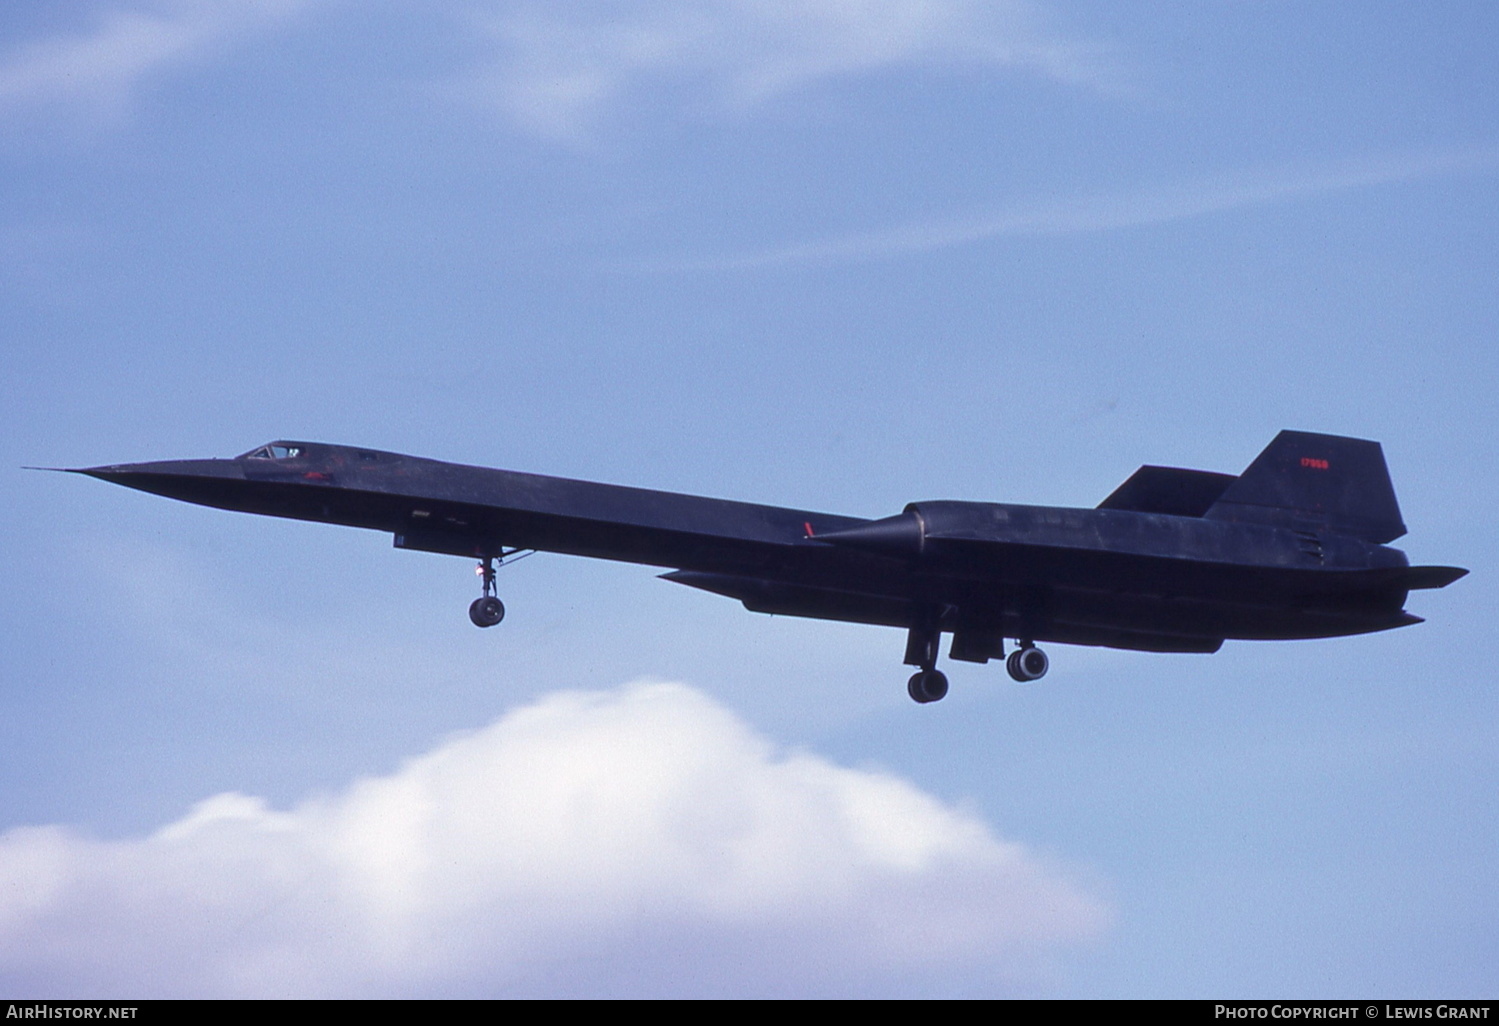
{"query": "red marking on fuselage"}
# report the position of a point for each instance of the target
(1313, 462)
(807, 525)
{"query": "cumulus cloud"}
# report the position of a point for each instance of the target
(640, 841)
(102, 67)
(561, 68)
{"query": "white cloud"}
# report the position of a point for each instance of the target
(102, 68)
(641, 841)
(1104, 211)
(560, 69)
(564, 67)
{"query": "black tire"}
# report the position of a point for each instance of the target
(927, 686)
(486, 611)
(1027, 664)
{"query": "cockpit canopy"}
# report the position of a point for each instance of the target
(275, 451)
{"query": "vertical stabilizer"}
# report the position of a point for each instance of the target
(1338, 482)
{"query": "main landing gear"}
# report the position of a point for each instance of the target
(487, 610)
(929, 684)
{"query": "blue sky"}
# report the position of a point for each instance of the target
(838, 254)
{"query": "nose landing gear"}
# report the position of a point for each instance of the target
(487, 610)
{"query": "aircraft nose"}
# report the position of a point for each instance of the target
(162, 468)
(110, 472)
(177, 479)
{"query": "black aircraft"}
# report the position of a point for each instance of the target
(1173, 561)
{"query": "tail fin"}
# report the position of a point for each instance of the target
(1338, 482)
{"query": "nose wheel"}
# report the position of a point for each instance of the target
(486, 611)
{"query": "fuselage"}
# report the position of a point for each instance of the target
(1116, 577)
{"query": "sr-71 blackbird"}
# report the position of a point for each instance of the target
(1173, 561)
